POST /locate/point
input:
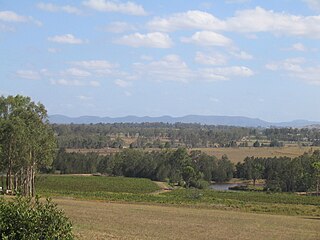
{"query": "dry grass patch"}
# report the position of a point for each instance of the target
(101, 220)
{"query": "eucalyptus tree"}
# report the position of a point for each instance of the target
(26, 142)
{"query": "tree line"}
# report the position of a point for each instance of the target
(194, 169)
(300, 174)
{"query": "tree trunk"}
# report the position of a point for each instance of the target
(33, 190)
(2, 183)
(9, 173)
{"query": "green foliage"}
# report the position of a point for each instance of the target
(25, 219)
(26, 141)
(60, 184)
(176, 165)
(282, 173)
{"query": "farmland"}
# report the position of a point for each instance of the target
(119, 212)
(105, 220)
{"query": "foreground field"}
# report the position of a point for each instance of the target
(101, 220)
(234, 154)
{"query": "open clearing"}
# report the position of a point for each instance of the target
(102, 220)
(234, 154)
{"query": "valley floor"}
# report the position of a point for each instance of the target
(105, 220)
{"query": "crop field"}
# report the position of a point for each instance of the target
(68, 184)
(115, 189)
(234, 154)
(105, 220)
(238, 154)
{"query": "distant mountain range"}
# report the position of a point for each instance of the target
(209, 120)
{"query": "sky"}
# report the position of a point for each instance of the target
(248, 58)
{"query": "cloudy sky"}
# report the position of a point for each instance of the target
(117, 58)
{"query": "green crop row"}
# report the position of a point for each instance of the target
(89, 184)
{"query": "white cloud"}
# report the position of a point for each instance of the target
(298, 68)
(261, 20)
(75, 72)
(210, 59)
(84, 98)
(241, 55)
(65, 82)
(94, 64)
(246, 21)
(208, 38)
(130, 8)
(152, 40)
(298, 47)
(313, 4)
(28, 74)
(75, 83)
(10, 16)
(100, 68)
(170, 68)
(67, 38)
(225, 73)
(50, 7)
(120, 27)
(121, 83)
(187, 20)
(289, 64)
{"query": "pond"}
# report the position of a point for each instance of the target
(224, 186)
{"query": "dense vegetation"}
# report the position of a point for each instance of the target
(165, 135)
(283, 173)
(25, 219)
(189, 169)
(26, 142)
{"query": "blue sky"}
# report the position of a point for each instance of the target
(117, 58)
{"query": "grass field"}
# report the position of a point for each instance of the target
(113, 189)
(234, 154)
(102, 220)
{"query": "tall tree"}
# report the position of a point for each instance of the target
(26, 140)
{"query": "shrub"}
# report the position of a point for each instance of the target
(27, 219)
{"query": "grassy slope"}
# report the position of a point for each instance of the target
(101, 220)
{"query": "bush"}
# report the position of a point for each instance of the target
(27, 219)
